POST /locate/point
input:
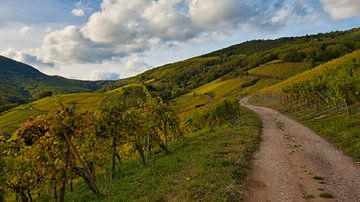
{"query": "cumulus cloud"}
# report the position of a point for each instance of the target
(70, 46)
(98, 75)
(81, 9)
(342, 9)
(232, 14)
(217, 12)
(78, 12)
(129, 66)
(133, 65)
(26, 57)
(26, 29)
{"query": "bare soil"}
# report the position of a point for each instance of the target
(296, 164)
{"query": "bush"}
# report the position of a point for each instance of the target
(294, 56)
(223, 112)
(45, 94)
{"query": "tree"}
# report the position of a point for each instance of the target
(49, 142)
(110, 124)
(45, 94)
(2, 166)
(161, 120)
(136, 128)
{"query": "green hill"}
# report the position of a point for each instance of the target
(21, 83)
(306, 52)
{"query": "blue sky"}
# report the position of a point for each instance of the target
(111, 39)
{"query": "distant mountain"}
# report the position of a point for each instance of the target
(20, 83)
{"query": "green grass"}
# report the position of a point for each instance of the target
(280, 70)
(214, 90)
(204, 166)
(262, 83)
(120, 90)
(220, 88)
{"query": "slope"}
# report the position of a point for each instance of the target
(20, 83)
(326, 98)
(179, 78)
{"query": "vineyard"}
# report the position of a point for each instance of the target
(326, 98)
(335, 84)
(56, 150)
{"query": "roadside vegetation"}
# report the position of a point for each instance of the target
(326, 98)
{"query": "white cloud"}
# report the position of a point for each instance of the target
(69, 46)
(212, 13)
(27, 57)
(78, 12)
(98, 75)
(342, 9)
(26, 30)
(134, 65)
(120, 68)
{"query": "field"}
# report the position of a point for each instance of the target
(11, 120)
(279, 70)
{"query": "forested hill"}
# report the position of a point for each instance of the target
(21, 83)
(310, 50)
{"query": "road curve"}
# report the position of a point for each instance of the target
(295, 164)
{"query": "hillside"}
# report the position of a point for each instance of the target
(325, 98)
(20, 83)
(306, 51)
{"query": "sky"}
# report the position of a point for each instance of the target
(113, 39)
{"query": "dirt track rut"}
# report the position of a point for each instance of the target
(295, 164)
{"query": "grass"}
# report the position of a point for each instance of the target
(120, 90)
(220, 88)
(188, 102)
(262, 83)
(217, 89)
(204, 166)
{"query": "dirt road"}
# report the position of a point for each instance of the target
(295, 164)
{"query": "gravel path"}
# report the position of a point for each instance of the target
(295, 164)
